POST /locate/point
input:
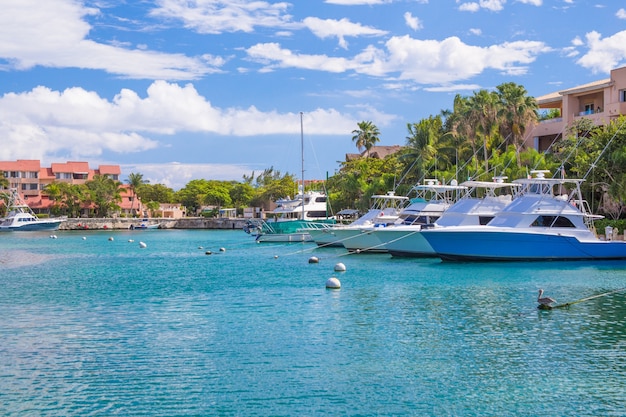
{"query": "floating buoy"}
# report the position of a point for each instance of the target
(200, 247)
(222, 249)
(111, 239)
(313, 260)
(53, 236)
(333, 283)
(208, 252)
(358, 251)
(142, 245)
(275, 256)
(340, 267)
(131, 240)
(84, 238)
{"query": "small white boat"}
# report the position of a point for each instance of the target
(20, 217)
(292, 219)
(385, 209)
(549, 221)
(433, 199)
(144, 225)
(483, 200)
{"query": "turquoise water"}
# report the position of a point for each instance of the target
(99, 327)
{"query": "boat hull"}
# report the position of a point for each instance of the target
(486, 245)
(326, 237)
(33, 226)
(361, 240)
(405, 241)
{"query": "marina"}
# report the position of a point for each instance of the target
(179, 327)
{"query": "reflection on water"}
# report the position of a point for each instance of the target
(104, 327)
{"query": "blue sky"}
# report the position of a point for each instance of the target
(185, 89)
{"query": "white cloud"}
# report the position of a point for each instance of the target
(453, 88)
(604, 54)
(176, 175)
(54, 34)
(41, 123)
(357, 2)
(469, 7)
(412, 21)
(324, 28)
(218, 16)
(423, 61)
(492, 5)
(476, 31)
(621, 14)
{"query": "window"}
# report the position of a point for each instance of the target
(552, 221)
(589, 108)
(622, 96)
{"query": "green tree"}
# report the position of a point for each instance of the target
(104, 193)
(4, 182)
(366, 136)
(429, 147)
(156, 192)
(517, 110)
(191, 196)
(135, 181)
(242, 194)
(217, 194)
(68, 198)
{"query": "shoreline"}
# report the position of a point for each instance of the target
(163, 223)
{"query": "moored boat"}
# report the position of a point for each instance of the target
(549, 221)
(433, 199)
(292, 219)
(477, 207)
(385, 209)
(20, 217)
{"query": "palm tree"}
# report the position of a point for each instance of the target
(483, 114)
(135, 181)
(4, 183)
(366, 136)
(517, 111)
(427, 142)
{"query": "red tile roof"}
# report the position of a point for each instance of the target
(25, 165)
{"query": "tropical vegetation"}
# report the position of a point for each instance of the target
(479, 138)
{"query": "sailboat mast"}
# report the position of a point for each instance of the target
(302, 158)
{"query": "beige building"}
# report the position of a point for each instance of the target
(600, 101)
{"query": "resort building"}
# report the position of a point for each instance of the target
(377, 152)
(31, 179)
(599, 101)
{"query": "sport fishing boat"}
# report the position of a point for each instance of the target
(549, 221)
(292, 219)
(20, 217)
(385, 209)
(477, 207)
(432, 200)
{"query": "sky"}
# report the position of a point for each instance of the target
(178, 90)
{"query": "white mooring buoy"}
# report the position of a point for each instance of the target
(333, 283)
(208, 252)
(314, 260)
(222, 249)
(111, 239)
(340, 267)
(142, 245)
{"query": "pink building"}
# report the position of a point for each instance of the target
(599, 101)
(31, 179)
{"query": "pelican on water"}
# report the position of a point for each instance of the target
(545, 301)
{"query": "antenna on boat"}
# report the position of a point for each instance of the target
(302, 156)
